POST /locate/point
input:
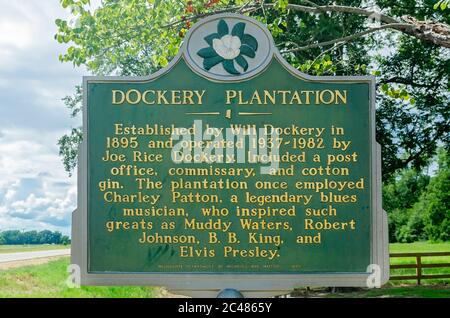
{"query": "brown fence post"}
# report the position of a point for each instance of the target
(419, 269)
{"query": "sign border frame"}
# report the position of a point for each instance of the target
(249, 284)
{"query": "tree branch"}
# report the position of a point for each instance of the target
(246, 8)
(427, 31)
(345, 38)
(342, 9)
(406, 81)
(334, 47)
(422, 149)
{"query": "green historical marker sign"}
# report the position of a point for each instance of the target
(230, 169)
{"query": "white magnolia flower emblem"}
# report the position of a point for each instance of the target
(227, 47)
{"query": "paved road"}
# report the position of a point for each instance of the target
(21, 256)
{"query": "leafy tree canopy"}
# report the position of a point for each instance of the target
(418, 205)
(404, 43)
(435, 203)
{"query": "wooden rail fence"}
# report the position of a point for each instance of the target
(419, 265)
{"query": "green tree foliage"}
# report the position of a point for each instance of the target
(442, 4)
(406, 48)
(16, 237)
(418, 205)
(68, 148)
(413, 114)
(434, 204)
(399, 196)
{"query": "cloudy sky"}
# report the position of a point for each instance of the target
(35, 191)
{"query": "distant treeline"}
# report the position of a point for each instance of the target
(418, 205)
(15, 237)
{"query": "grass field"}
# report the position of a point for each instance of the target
(30, 248)
(48, 280)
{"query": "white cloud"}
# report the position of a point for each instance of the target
(35, 191)
(15, 34)
(33, 184)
